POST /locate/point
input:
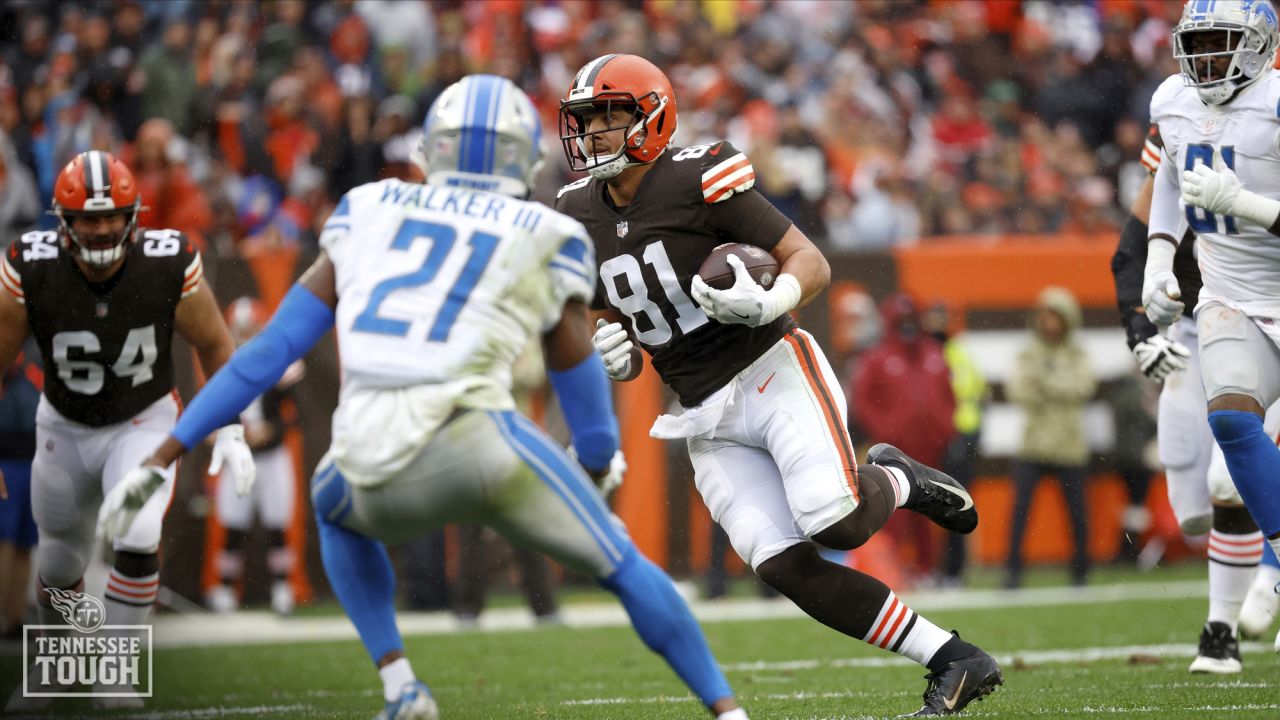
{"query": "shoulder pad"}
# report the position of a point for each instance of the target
(725, 170)
(582, 182)
(1166, 95)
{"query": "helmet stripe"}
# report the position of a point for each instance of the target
(587, 76)
(491, 124)
(475, 135)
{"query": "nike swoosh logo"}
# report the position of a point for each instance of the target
(714, 151)
(735, 312)
(138, 421)
(766, 382)
(968, 501)
(951, 701)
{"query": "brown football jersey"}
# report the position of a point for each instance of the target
(106, 347)
(692, 200)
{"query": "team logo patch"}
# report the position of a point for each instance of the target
(86, 657)
(622, 228)
(101, 310)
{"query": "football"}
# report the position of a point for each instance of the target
(717, 272)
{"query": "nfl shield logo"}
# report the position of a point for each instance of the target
(622, 228)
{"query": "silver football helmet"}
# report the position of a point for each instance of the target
(1211, 31)
(484, 133)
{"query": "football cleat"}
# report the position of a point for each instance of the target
(934, 494)
(959, 683)
(1219, 651)
(415, 703)
(1259, 608)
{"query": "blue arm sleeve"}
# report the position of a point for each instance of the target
(587, 402)
(300, 321)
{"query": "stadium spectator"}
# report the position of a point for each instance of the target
(902, 395)
(970, 388)
(1051, 381)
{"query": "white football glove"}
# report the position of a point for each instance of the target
(125, 500)
(1158, 356)
(609, 483)
(746, 303)
(614, 345)
(1162, 298)
(229, 447)
(1218, 190)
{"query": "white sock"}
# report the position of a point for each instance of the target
(897, 628)
(1232, 562)
(1275, 545)
(734, 714)
(395, 676)
(901, 485)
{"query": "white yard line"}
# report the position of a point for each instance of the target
(263, 628)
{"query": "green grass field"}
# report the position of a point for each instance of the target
(1112, 658)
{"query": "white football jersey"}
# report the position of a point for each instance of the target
(441, 285)
(1240, 260)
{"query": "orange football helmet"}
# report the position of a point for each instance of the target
(612, 82)
(96, 184)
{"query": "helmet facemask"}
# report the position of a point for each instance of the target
(579, 142)
(98, 250)
(1221, 56)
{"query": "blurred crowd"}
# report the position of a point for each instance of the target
(871, 123)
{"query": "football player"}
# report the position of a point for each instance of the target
(1200, 490)
(764, 417)
(1220, 177)
(434, 290)
(272, 498)
(103, 298)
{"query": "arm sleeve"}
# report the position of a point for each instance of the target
(1167, 217)
(1127, 267)
(587, 404)
(299, 323)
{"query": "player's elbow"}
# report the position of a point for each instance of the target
(595, 446)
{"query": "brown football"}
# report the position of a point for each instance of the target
(717, 272)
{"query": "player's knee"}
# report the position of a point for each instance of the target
(60, 564)
(786, 570)
(330, 495)
(1233, 426)
(846, 534)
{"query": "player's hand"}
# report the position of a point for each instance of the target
(746, 303)
(608, 479)
(229, 447)
(614, 345)
(122, 504)
(1162, 298)
(1215, 189)
(1158, 356)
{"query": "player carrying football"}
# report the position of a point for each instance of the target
(764, 417)
(103, 298)
(433, 290)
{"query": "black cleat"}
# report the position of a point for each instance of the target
(1219, 651)
(959, 683)
(934, 494)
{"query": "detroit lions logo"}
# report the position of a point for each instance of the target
(1263, 8)
(82, 611)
